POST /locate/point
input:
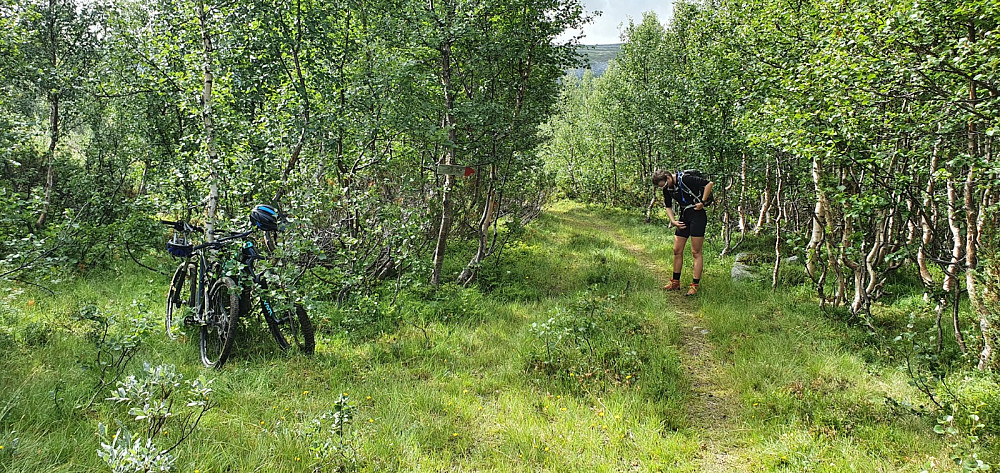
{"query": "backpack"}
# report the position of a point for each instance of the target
(685, 190)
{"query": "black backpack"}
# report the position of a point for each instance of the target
(685, 190)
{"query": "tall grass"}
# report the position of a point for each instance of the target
(566, 358)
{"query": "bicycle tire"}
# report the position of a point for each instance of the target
(177, 296)
(219, 329)
(291, 326)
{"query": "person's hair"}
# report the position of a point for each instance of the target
(659, 176)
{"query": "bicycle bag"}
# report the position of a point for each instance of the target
(179, 247)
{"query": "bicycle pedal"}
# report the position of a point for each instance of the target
(190, 321)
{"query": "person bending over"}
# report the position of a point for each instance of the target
(690, 192)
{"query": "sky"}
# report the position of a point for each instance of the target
(607, 28)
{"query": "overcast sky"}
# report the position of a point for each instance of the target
(607, 28)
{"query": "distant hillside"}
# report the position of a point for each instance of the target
(597, 57)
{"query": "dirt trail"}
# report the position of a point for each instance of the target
(713, 403)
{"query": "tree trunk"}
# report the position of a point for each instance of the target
(951, 283)
(927, 223)
(741, 206)
(727, 229)
(485, 222)
(50, 156)
(208, 80)
(818, 220)
(765, 202)
(614, 174)
(53, 97)
(777, 228)
(449, 158)
(299, 79)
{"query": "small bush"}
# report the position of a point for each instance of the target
(588, 342)
(36, 334)
(974, 394)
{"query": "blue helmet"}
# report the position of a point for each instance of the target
(265, 218)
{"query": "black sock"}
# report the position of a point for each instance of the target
(677, 276)
(695, 280)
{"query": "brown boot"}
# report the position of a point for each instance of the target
(675, 285)
(692, 290)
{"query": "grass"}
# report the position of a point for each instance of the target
(570, 361)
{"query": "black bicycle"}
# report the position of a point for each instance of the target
(218, 300)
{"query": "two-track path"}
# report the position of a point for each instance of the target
(712, 404)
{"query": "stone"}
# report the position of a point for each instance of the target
(741, 272)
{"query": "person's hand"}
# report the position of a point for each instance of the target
(679, 224)
(699, 206)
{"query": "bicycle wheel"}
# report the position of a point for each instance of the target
(219, 330)
(181, 293)
(290, 326)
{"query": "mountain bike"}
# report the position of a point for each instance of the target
(217, 300)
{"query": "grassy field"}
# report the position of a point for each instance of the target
(572, 359)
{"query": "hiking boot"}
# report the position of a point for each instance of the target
(692, 290)
(675, 285)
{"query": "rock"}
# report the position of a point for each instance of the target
(743, 257)
(741, 272)
(792, 259)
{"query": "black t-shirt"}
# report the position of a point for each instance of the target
(694, 184)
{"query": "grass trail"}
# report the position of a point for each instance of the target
(711, 400)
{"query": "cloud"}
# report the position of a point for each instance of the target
(607, 28)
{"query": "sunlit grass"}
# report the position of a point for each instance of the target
(467, 386)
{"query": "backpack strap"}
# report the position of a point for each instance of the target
(685, 189)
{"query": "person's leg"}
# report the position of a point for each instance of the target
(696, 244)
(675, 281)
(699, 220)
(679, 243)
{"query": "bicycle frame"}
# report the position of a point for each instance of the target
(219, 297)
(199, 306)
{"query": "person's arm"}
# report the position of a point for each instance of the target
(670, 211)
(673, 220)
(704, 196)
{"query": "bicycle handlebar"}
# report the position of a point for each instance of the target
(182, 226)
(222, 241)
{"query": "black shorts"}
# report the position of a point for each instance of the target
(696, 221)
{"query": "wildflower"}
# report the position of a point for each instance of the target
(305, 392)
(454, 434)
(371, 421)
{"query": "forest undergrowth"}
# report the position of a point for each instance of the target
(567, 356)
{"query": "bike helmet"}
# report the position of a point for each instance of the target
(265, 218)
(179, 246)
